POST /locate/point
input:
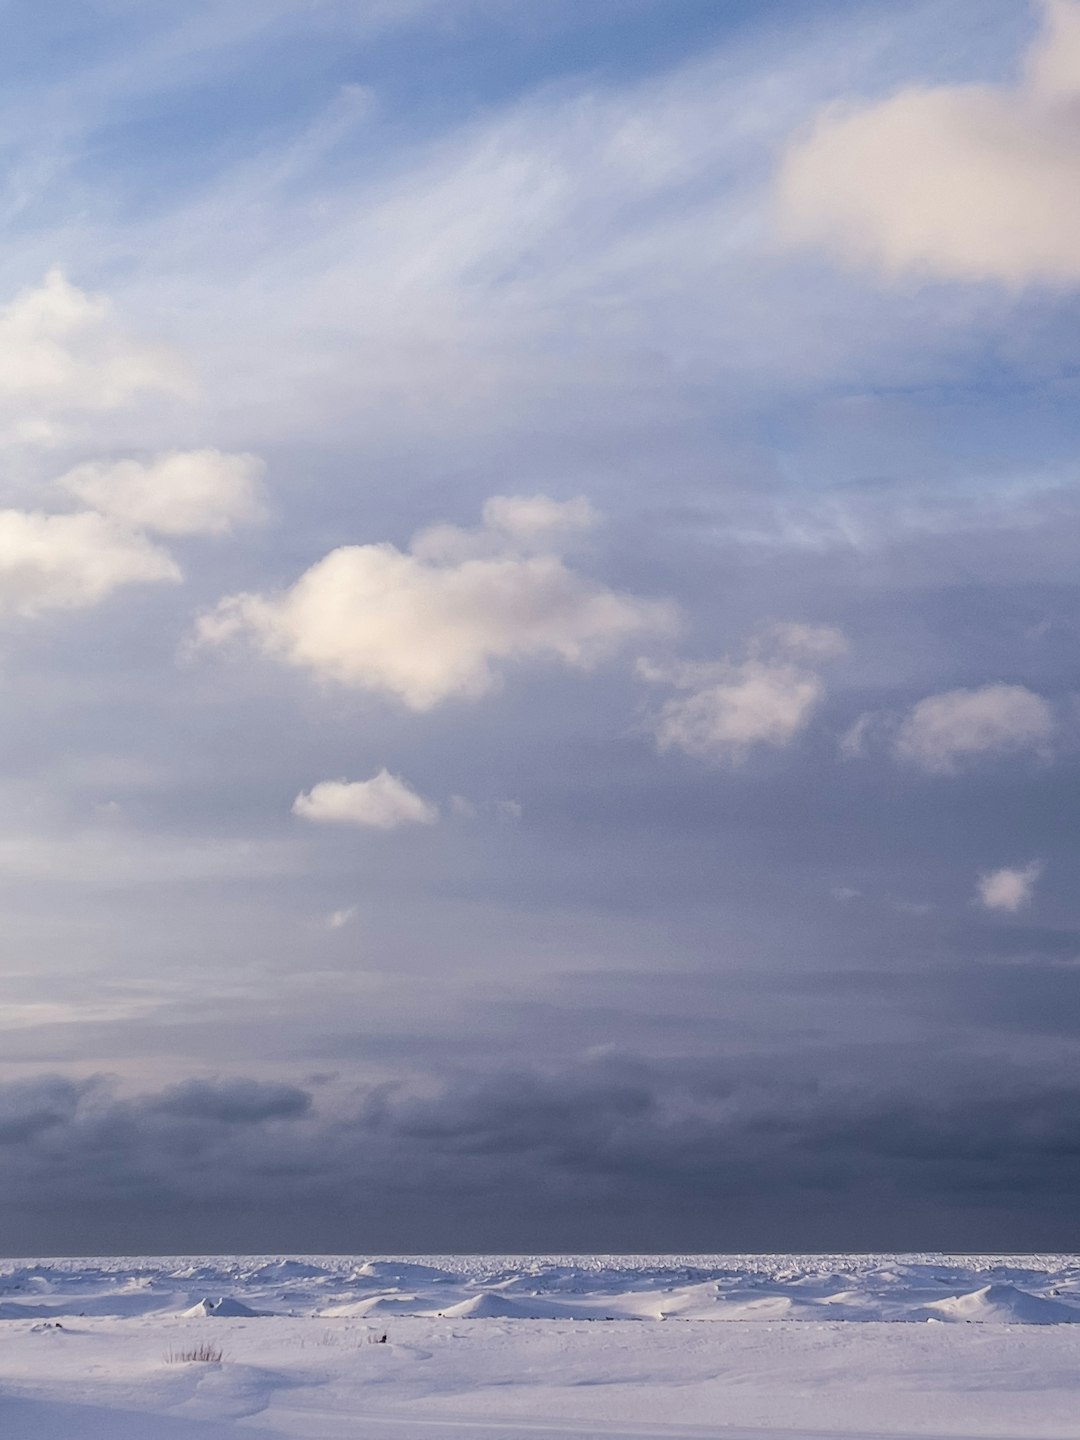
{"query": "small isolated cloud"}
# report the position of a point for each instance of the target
(755, 704)
(338, 919)
(944, 731)
(382, 803)
(729, 707)
(801, 642)
(185, 492)
(428, 623)
(61, 351)
(1008, 890)
(961, 181)
(67, 562)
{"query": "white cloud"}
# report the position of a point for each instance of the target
(422, 628)
(536, 519)
(65, 562)
(70, 561)
(338, 919)
(1008, 890)
(963, 181)
(757, 704)
(512, 524)
(61, 351)
(801, 642)
(382, 803)
(731, 706)
(943, 731)
(192, 492)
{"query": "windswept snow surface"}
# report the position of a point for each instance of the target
(777, 1347)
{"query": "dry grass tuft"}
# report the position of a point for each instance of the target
(205, 1354)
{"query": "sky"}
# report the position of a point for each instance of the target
(538, 625)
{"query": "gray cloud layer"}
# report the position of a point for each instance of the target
(618, 1150)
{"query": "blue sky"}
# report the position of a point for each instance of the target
(538, 615)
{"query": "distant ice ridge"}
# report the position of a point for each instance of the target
(943, 1289)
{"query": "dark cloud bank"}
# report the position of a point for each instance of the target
(614, 1153)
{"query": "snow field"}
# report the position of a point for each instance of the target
(84, 1347)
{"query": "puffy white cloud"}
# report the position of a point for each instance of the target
(51, 562)
(1008, 890)
(382, 803)
(730, 707)
(423, 625)
(943, 731)
(69, 561)
(756, 704)
(60, 350)
(964, 181)
(184, 492)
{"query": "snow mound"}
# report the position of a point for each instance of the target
(223, 1305)
(1002, 1304)
(491, 1305)
(488, 1306)
(374, 1305)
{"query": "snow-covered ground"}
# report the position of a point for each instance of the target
(583, 1346)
